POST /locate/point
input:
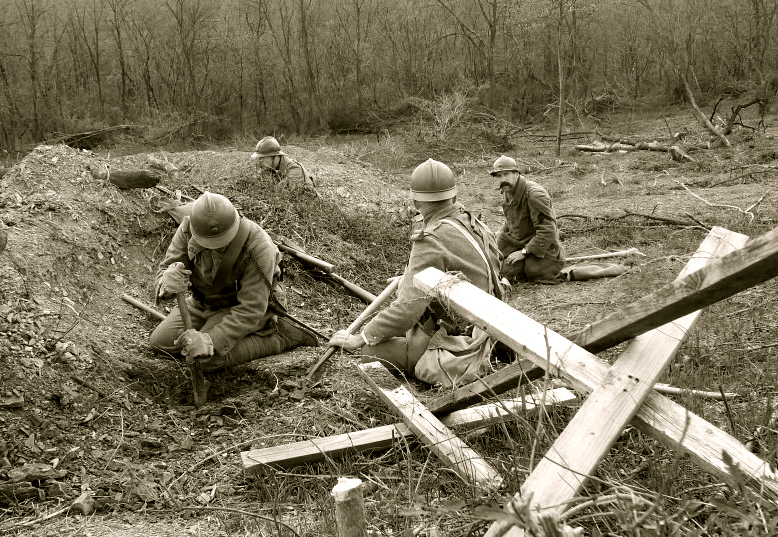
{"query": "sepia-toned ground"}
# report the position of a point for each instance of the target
(81, 391)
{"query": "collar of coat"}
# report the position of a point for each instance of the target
(514, 195)
(443, 213)
(193, 248)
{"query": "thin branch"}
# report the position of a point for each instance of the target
(750, 214)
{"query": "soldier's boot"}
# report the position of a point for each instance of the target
(591, 272)
(255, 346)
(292, 335)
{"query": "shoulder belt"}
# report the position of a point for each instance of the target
(475, 244)
(233, 250)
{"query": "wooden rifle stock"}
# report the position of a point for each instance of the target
(302, 256)
(366, 296)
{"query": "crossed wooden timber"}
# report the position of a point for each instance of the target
(320, 448)
(754, 263)
(616, 392)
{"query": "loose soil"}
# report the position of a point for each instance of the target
(81, 392)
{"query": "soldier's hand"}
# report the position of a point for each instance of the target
(513, 257)
(346, 341)
(174, 280)
(195, 343)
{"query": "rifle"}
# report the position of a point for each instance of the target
(291, 248)
(281, 242)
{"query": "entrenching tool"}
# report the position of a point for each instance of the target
(357, 324)
(199, 384)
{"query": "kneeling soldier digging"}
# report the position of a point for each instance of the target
(232, 266)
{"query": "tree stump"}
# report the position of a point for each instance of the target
(349, 508)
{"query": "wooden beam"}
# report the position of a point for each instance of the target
(500, 382)
(702, 440)
(754, 263)
(317, 449)
(575, 454)
(613, 328)
(468, 464)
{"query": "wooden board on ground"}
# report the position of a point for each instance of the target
(317, 449)
(665, 419)
(495, 384)
(468, 464)
(561, 474)
(726, 275)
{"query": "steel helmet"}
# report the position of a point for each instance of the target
(432, 181)
(504, 164)
(267, 147)
(214, 221)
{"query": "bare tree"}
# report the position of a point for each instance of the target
(119, 14)
(90, 38)
(31, 12)
(490, 13)
(356, 18)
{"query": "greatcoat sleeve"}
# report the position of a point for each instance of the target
(409, 306)
(176, 251)
(542, 215)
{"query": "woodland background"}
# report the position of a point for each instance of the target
(227, 67)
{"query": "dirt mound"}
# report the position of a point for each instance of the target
(81, 393)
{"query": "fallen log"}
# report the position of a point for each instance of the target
(164, 165)
(697, 113)
(676, 153)
(13, 493)
(126, 178)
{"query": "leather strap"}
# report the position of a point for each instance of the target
(494, 285)
(231, 255)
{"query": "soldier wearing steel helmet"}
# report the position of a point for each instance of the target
(232, 266)
(414, 334)
(282, 168)
(529, 239)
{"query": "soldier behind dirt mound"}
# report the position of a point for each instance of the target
(529, 239)
(414, 334)
(232, 266)
(282, 168)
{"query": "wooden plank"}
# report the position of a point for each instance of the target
(585, 372)
(754, 263)
(468, 464)
(500, 382)
(593, 337)
(581, 446)
(317, 449)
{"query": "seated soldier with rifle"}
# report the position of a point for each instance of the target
(415, 334)
(237, 302)
(281, 167)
